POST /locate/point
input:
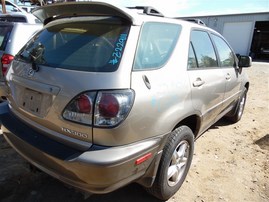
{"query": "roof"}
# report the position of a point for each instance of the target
(221, 15)
(134, 15)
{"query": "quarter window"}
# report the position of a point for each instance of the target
(225, 53)
(156, 44)
(203, 49)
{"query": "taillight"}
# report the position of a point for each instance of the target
(84, 103)
(108, 106)
(6, 60)
(80, 109)
(112, 107)
(101, 109)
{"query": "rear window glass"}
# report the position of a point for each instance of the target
(4, 35)
(85, 45)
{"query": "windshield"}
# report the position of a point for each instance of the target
(84, 45)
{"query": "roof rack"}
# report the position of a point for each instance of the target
(195, 20)
(148, 10)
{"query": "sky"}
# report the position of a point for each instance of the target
(183, 8)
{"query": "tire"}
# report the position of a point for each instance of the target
(175, 163)
(240, 106)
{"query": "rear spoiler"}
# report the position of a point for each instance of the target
(69, 9)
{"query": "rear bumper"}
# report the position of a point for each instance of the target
(97, 170)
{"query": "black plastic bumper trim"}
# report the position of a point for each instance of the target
(33, 137)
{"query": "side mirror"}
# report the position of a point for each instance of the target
(244, 61)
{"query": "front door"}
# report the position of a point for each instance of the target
(231, 73)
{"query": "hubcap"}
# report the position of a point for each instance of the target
(178, 163)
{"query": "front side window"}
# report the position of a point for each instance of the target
(156, 44)
(203, 49)
(225, 53)
(84, 45)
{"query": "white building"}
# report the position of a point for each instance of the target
(247, 33)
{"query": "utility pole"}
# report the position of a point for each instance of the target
(3, 6)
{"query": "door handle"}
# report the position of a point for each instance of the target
(199, 82)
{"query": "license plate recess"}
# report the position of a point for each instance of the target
(32, 101)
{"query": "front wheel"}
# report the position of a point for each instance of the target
(175, 163)
(238, 113)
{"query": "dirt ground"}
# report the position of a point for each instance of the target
(231, 162)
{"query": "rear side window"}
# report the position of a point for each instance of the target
(85, 45)
(4, 35)
(157, 42)
(225, 53)
(203, 49)
(13, 19)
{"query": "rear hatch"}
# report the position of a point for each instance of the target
(57, 77)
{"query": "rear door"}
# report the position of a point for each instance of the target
(206, 78)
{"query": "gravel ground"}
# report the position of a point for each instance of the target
(231, 162)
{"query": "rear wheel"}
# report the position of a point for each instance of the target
(174, 164)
